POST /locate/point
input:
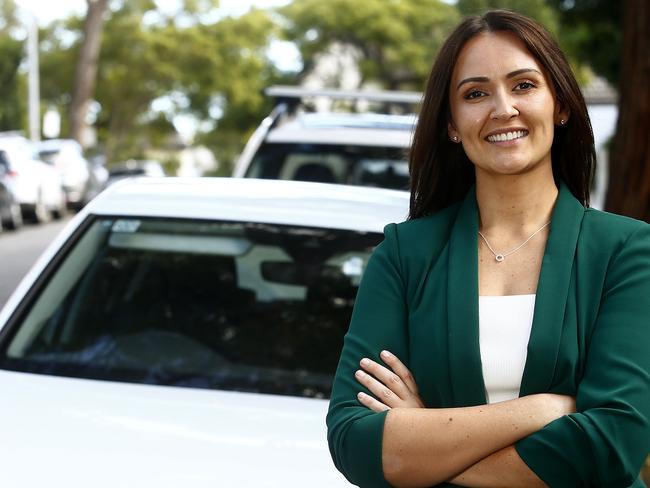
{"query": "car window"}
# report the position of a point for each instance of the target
(224, 305)
(49, 155)
(384, 167)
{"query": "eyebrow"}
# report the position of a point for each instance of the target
(485, 79)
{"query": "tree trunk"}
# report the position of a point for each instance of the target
(86, 70)
(629, 181)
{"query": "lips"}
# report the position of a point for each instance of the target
(507, 136)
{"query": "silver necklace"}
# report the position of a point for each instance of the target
(501, 256)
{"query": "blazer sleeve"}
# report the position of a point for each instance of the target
(378, 322)
(605, 443)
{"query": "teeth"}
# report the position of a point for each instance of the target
(508, 136)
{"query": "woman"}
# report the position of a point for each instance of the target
(517, 317)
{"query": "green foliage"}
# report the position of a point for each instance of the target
(397, 39)
(8, 17)
(536, 9)
(170, 165)
(11, 108)
(57, 59)
(198, 66)
(216, 69)
(592, 33)
(226, 68)
(542, 11)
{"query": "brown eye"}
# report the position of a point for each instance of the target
(525, 85)
(474, 94)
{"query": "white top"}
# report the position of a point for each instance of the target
(505, 323)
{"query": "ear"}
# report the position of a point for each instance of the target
(562, 114)
(453, 133)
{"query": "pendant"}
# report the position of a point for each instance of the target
(499, 257)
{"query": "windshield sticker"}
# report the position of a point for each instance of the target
(128, 226)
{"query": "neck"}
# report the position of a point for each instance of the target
(515, 204)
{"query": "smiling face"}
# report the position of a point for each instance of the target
(503, 108)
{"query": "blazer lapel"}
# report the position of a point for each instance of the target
(462, 307)
(552, 289)
(552, 292)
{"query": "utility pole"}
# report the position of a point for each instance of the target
(33, 91)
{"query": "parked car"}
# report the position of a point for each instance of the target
(184, 333)
(366, 149)
(133, 168)
(10, 213)
(81, 183)
(37, 185)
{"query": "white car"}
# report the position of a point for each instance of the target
(135, 168)
(37, 185)
(365, 149)
(79, 178)
(184, 333)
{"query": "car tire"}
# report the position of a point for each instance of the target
(15, 221)
(60, 212)
(41, 213)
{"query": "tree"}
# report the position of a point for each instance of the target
(11, 109)
(11, 55)
(591, 33)
(629, 185)
(86, 67)
(156, 64)
(396, 40)
(536, 9)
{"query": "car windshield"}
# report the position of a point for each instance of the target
(384, 167)
(225, 305)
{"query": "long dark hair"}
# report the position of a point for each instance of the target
(441, 173)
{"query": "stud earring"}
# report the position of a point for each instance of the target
(562, 122)
(455, 138)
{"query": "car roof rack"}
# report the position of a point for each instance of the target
(292, 95)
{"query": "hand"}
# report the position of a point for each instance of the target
(392, 389)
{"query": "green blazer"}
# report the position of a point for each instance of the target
(590, 338)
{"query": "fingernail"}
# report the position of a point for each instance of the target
(359, 373)
(365, 361)
(386, 354)
(361, 395)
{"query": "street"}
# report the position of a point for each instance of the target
(19, 250)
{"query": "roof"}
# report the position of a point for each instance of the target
(300, 92)
(57, 144)
(247, 199)
(339, 128)
(358, 121)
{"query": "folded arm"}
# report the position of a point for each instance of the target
(473, 441)
(610, 434)
(365, 443)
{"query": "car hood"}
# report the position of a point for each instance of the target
(68, 432)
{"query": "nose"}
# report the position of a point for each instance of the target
(504, 108)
